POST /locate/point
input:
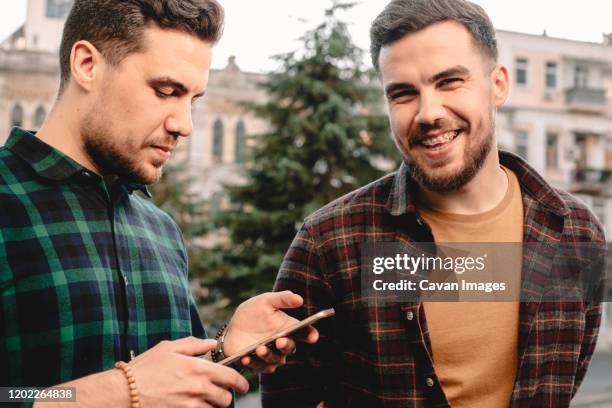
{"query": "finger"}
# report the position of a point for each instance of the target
(193, 346)
(308, 334)
(267, 355)
(245, 361)
(312, 336)
(284, 300)
(217, 396)
(256, 366)
(285, 345)
(224, 377)
(270, 369)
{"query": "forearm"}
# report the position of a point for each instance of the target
(105, 389)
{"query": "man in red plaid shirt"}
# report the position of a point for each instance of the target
(437, 63)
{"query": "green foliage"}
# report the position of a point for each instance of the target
(327, 132)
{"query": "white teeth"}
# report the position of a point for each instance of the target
(443, 138)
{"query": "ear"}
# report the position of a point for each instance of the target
(86, 64)
(500, 86)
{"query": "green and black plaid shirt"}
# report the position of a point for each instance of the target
(89, 274)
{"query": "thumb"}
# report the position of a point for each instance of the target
(192, 346)
(284, 300)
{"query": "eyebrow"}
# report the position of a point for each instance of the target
(168, 81)
(457, 70)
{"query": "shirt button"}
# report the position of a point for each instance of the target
(429, 381)
(85, 173)
(409, 315)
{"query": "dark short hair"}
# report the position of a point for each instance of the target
(115, 27)
(402, 17)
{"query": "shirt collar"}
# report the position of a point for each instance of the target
(403, 191)
(47, 162)
(51, 164)
(402, 197)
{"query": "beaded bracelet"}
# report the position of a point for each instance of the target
(134, 394)
(217, 354)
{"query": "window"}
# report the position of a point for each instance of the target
(551, 75)
(58, 8)
(521, 71)
(39, 117)
(520, 143)
(240, 142)
(218, 141)
(552, 151)
(17, 115)
(580, 149)
(581, 76)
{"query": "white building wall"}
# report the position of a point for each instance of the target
(41, 32)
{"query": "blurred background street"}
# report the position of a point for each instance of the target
(242, 183)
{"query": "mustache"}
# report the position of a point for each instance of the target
(173, 141)
(421, 130)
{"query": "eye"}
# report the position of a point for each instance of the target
(164, 93)
(450, 82)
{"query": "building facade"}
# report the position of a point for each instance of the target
(558, 115)
(29, 79)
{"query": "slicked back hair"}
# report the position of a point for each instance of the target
(116, 27)
(402, 17)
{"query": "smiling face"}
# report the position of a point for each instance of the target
(143, 105)
(442, 93)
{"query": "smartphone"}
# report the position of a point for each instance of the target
(281, 333)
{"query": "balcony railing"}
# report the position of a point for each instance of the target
(592, 175)
(592, 181)
(585, 99)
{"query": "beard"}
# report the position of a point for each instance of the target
(473, 160)
(114, 158)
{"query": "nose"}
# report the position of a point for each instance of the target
(430, 109)
(180, 122)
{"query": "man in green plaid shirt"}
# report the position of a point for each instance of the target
(91, 272)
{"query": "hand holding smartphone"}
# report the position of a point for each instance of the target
(285, 332)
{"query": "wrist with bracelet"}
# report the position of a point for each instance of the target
(217, 354)
(134, 394)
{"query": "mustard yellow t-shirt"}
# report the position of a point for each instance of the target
(475, 344)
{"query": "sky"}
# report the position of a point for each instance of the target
(256, 30)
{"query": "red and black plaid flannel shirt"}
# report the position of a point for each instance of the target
(377, 354)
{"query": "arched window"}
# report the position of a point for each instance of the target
(17, 115)
(240, 142)
(218, 141)
(39, 117)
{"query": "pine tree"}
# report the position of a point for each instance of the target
(327, 136)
